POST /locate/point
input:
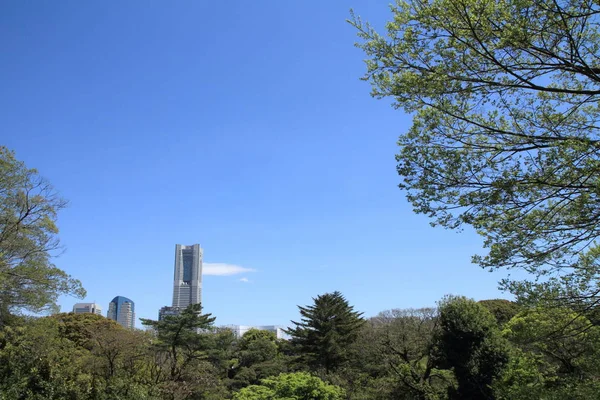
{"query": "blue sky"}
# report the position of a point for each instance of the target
(242, 126)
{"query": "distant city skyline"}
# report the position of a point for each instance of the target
(286, 166)
(187, 289)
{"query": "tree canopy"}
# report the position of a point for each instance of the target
(326, 331)
(294, 386)
(469, 343)
(405, 345)
(556, 356)
(503, 310)
(179, 339)
(456, 351)
(504, 99)
(28, 237)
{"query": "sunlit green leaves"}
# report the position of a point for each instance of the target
(28, 240)
(504, 98)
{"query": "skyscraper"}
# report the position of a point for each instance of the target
(82, 308)
(187, 282)
(122, 310)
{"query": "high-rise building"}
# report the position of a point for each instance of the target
(187, 279)
(82, 308)
(167, 311)
(122, 310)
(187, 282)
(239, 330)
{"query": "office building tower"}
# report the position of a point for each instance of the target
(187, 282)
(82, 308)
(167, 311)
(122, 310)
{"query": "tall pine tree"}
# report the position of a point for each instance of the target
(327, 329)
(178, 338)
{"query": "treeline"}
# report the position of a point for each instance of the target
(462, 349)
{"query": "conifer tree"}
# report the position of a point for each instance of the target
(327, 329)
(179, 340)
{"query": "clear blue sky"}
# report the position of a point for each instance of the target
(242, 126)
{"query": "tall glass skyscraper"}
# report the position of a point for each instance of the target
(122, 310)
(187, 282)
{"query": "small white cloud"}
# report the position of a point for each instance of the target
(245, 280)
(220, 269)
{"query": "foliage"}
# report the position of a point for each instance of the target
(28, 236)
(326, 332)
(505, 129)
(523, 378)
(180, 350)
(405, 340)
(503, 310)
(559, 352)
(454, 352)
(78, 328)
(220, 351)
(257, 357)
(470, 343)
(36, 363)
(365, 376)
(180, 330)
(257, 346)
(392, 359)
(75, 356)
(293, 386)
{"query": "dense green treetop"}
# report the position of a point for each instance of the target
(178, 330)
(180, 341)
(406, 346)
(562, 336)
(503, 310)
(469, 342)
(456, 351)
(294, 386)
(326, 331)
(555, 356)
(257, 346)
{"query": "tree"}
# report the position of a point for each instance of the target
(406, 344)
(28, 237)
(256, 346)
(326, 331)
(119, 356)
(505, 129)
(294, 386)
(365, 375)
(36, 362)
(181, 349)
(221, 351)
(560, 347)
(503, 310)
(178, 338)
(257, 357)
(470, 343)
(114, 357)
(75, 356)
